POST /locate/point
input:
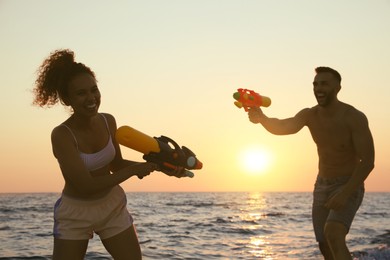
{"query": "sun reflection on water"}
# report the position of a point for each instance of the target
(259, 247)
(253, 216)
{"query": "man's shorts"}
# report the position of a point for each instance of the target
(324, 189)
(76, 219)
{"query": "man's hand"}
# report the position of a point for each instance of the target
(337, 201)
(255, 115)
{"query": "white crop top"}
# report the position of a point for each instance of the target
(94, 161)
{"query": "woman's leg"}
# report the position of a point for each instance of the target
(69, 249)
(124, 246)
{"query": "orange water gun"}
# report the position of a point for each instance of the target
(248, 98)
(160, 150)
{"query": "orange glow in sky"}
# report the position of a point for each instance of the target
(171, 67)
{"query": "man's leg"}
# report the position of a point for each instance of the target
(335, 234)
(319, 217)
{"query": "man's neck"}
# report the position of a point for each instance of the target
(331, 108)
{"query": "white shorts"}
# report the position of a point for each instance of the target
(76, 219)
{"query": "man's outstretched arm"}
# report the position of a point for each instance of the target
(279, 126)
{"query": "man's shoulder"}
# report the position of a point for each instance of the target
(306, 115)
(351, 111)
(309, 111)
(354, 117)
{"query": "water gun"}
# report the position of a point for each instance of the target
(160, 150)
(248, 98)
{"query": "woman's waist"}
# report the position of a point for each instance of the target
(71, 193)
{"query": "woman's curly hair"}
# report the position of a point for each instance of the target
(54, 75)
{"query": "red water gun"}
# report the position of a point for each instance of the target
(248, 98)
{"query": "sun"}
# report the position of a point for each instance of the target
(255, 160)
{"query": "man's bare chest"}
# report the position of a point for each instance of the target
(331, 133)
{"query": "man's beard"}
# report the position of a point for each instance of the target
(325, 98)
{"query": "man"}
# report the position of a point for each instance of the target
(346, 157)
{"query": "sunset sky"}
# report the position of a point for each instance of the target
(170, 68)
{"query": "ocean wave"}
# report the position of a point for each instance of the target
(26, 258)
(382, 239)
(379, 253)
(204, 226)
(5, 227)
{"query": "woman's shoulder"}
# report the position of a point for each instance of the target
(109, 118)
(61, 132)
(60, 129)
(111, 121)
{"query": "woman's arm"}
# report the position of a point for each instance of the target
(77, 175)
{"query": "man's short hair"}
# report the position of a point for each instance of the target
(331, 71)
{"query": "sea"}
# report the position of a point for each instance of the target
(204, 225)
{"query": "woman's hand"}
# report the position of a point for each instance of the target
(143, 169)
(178, 172)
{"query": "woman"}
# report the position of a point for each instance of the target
(91, 164)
